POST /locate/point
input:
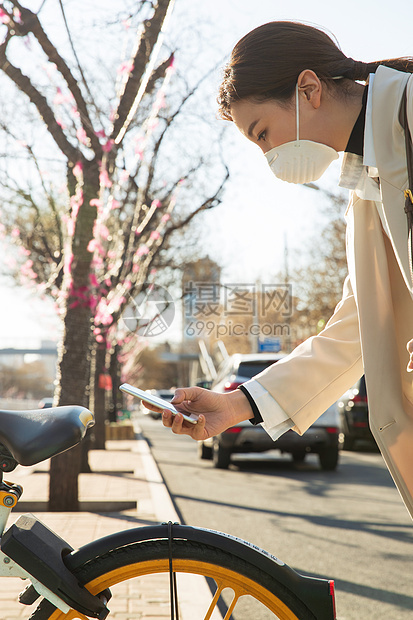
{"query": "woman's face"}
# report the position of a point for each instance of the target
(322, 117)
(267, 124)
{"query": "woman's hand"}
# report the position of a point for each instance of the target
(409, 347)
(216, 412)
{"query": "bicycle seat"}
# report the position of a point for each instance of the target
(35, 435)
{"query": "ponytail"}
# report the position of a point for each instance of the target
(266, 63)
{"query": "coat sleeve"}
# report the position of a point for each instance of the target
(320, 370)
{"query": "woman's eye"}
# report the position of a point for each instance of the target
(261, 136)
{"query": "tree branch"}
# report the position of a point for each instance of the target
(32, 24)
(24, 84)
(138, 79)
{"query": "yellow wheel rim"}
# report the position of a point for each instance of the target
(224, 578)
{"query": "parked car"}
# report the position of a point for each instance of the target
(354, 415)
(45, 403)
(321, 438)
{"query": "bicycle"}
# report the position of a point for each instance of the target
(80, 583)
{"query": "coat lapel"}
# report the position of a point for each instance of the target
(389, 146)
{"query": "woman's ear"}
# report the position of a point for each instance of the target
(310, 86)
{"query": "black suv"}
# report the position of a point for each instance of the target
(354, 415)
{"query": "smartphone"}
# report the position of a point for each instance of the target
(147, 397)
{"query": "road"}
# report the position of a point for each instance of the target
(349, 525)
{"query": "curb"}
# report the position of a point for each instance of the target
(191, 606)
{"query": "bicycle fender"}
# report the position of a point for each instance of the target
(38, 550)
(315, 593)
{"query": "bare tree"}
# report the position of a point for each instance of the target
(95, 252)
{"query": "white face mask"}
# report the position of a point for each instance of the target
(300, 161)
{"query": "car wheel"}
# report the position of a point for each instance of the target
(348, 443)
(329, 458)
(221, 457)
(204, 452)
(299, 456)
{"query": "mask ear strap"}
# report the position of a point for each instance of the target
(297, 111)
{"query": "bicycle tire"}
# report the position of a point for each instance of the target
(152, 557)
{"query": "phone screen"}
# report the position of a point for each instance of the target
(155, 400)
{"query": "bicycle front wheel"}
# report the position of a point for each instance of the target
(138, 576)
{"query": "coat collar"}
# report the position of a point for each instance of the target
(389, 147)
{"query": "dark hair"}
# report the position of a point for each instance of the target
(266, 63)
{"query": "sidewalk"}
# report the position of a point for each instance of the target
(124, 491)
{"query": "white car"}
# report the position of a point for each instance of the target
(321, 438)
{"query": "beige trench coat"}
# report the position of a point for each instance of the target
(374, 320)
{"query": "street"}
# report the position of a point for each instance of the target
(349, 525)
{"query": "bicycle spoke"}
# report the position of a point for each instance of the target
(214, 602)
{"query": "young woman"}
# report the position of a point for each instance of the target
(289, 89)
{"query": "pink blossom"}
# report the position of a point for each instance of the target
(97, 261)
(114, 204)
(78, 169)
(126, 67)
(27, 271)
(95, 202)
(93, 279)
(82, 136)
(135, 268)
(101, 133)
(108, 146)
(127, 284)
(160, 101)
(142, 250)
(165, 217)
(71, 227)
(102, 230)
(93, 302)
(17, 16)
(156, 203)
(95, 246)
(76, 202)
(61, 123)
(153, 124)
(124, 176)
(172, 63)
(155, 234)
(4, 18)
(67, 268)
(59, 97)
(104, 179)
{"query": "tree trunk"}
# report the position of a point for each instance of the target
(74, 349)
(115, 396)
(98, 395)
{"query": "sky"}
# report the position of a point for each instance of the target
(247, 233)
